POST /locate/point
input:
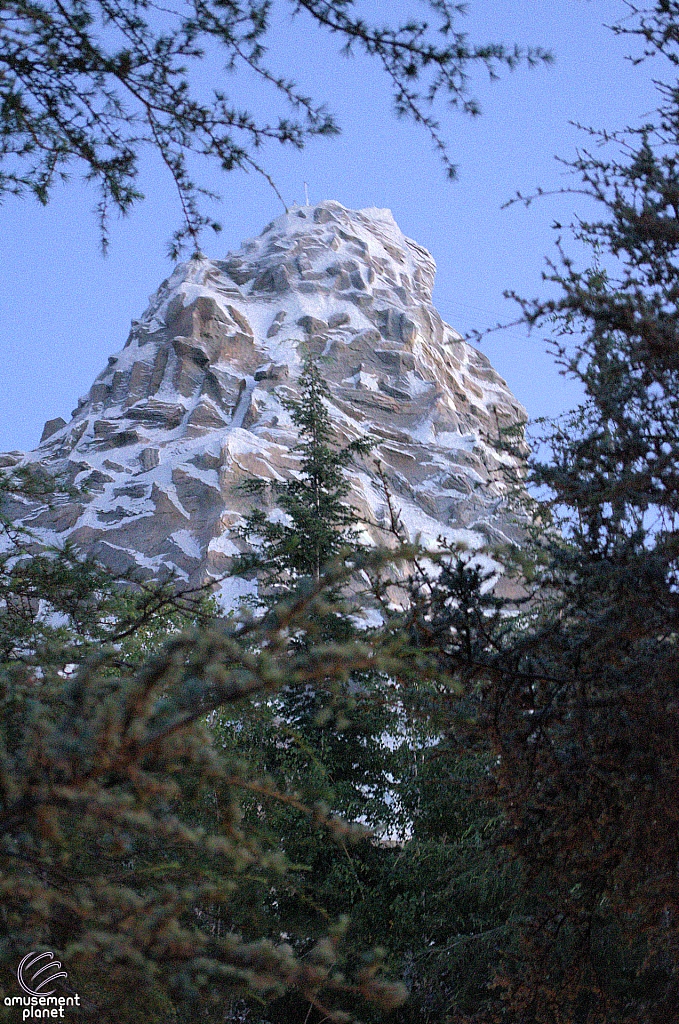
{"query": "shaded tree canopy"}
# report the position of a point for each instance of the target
(123, 838)
(96, 82)
(579, 700)
(561, 717)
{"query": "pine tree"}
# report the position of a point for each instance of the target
(318, 523)
(431, 886)
(330, 741)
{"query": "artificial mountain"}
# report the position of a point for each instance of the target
(192, 405)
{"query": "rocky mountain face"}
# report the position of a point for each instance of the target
(191, 406)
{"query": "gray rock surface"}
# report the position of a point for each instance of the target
(192, 405)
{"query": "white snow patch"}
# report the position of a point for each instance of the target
(231, 591)
(187, 543)
(223, 545)
(461, 442)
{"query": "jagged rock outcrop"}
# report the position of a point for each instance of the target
(191, 406)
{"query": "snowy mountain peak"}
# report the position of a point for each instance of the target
(315, 251)
(192, 404)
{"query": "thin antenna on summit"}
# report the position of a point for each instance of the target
(306, 195)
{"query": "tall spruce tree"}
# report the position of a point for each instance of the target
(339, 740)
(430, 885)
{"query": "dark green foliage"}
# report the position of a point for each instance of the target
(579, 705)
(455, 894)
(336, 742)
(126, 844)
(98, 82)
(430, 884)
(446, 900)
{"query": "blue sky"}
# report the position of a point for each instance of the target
(64, 308)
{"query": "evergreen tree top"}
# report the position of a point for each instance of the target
(319, 522)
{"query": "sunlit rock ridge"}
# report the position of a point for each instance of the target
(192, 405)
